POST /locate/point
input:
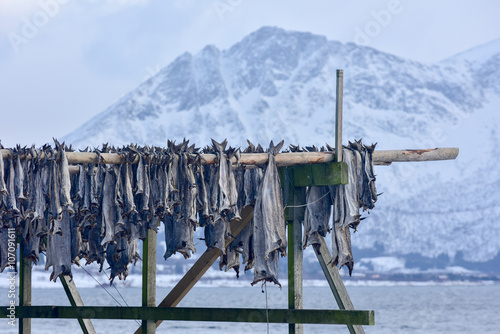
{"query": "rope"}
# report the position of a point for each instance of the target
(304, 205)
(101, 286)
(267, 307)
(137, 321)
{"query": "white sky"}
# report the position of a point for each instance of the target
(64, 61)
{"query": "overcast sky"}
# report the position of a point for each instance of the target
(64, 61)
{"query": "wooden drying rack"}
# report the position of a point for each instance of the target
(298, 170)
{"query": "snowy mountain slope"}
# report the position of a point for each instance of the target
(277, 84)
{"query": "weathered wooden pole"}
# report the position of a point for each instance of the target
(24, 290)
(201, 266)
(335, 282)
(380, 157)
(338, 115)
(295, 255)
(76, 300)
(149, 278)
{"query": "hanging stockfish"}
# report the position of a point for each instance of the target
(203, 199)
(119, 254)
(370, 193)
(11, 195)
(95, 249)
(64, 178)
(59, 249)
(4, 247)
(41, 196)
(3, 187)
(317, 215)
(55, 213)
(108, 206)
(19, 174)
(179, 229)
(352, 216)
(269, 223)
(190, 186)
(248, 181)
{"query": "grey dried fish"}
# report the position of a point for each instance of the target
(3, 187)
(179, 235)
(352, 217)
(243, 244)
(224, 202)
(215, 234)
(59, 250)
(95, 249)
(269, 223)
(191, 190)
(5, 236)
(108, 207)
(128, 197)
(64, 179)
(203, 200)
(343, 242)
(371, 193)
(11, 199)
(232, 186)
(55, 204)
(19, 177)
(317, 215)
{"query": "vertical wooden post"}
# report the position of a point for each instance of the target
(24, 290)
(76, 300)
(338, 115)
(149, 278)
(295, 258)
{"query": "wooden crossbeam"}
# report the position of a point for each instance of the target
(282, 316)
(201, 266)
(76, 300)
(380, 157)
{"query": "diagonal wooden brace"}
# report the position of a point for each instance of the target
(202, 265)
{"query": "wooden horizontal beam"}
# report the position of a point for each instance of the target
(283, 316)
(284, 159)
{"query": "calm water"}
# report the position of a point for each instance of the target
(408, 309)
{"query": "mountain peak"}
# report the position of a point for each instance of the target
(478, 54)
(277, 84)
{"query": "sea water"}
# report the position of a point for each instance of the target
(398, 309)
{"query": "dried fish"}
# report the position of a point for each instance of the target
(3, 187)
(64, 179)
(19, 176)
(11, 196)
(108, 207)
(352, 217)
(269, 223)
(59, 250)
(317, 215)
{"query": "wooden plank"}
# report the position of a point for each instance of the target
(284, 159)
(149, 278)
(76, 300)
(308, 316)
(201, 266)
(295, 259)
(336, 284)
(24, 290)
(338, 115)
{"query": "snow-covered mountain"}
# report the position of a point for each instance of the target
(278, 84)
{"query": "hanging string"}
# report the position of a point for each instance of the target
(102, 286)
(294, 191)
(304, 205)
(267, 306)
